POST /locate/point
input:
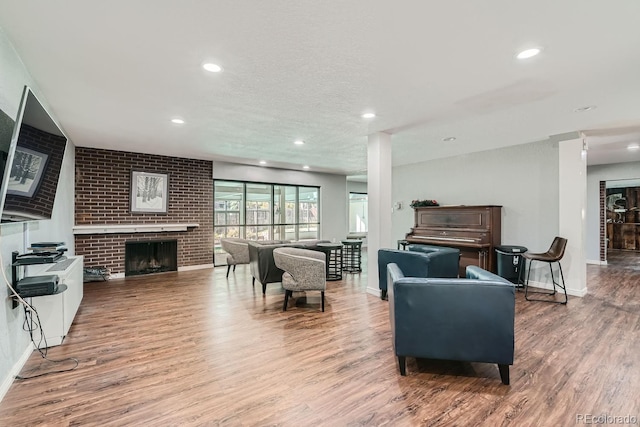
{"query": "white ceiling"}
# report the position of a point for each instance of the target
(115, 73)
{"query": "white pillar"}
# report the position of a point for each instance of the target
(572, 211)
(379, 191)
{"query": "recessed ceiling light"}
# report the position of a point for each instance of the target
(263, 162)
(305, 167)
(633, 147)
(449, 139)
(528, 53)
(368, 115)
(177, 121)
(214, 68)
(583, 109)
(299, 142)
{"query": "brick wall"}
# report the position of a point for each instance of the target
(103, 179)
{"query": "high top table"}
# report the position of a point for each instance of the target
(351, 255)
(333, 259)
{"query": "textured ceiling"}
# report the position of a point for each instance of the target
(115, 73)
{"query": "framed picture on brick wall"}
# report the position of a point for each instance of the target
(149, 192)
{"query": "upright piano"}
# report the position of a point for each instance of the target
(475, 230)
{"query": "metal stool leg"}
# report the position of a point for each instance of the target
(554, 284)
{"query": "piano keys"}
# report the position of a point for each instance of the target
(474, 230)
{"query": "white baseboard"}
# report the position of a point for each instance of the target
(15, 370)
(547, 286)
(596, 262)
(373, 291)
(195, 267)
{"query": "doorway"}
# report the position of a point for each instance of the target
(620, 221)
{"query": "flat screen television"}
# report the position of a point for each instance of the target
(30, 164)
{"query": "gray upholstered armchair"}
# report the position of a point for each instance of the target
(420, 261)
(237, 252)
(304, 270)
(470, 320)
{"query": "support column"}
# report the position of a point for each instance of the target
(379, 190)
(572, 212)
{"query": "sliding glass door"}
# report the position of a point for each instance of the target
(259, 207)
(264, 211)
(308, 205)
(358, 205)
(285, 214)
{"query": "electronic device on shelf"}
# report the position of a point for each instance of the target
(47, 247)
(46, 244)
(37, 286)
(38, 258)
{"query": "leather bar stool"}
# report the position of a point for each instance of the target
(554, 254)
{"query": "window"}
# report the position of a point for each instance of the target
(228, 198)
(308, 212)
(285, 214)
(358, 205)
(262, 211)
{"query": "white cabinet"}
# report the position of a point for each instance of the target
(56, 312)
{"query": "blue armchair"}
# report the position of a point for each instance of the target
(470, 319)
(418, 261)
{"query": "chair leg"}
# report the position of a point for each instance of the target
(504, 373)
(286, 299)
(553, 282)
(564, 285)
(553, 279)
(322, 298)
(402, 364)
(383, 294)
(253, 281)
(264, 289)
(228, 269)
(234, 268)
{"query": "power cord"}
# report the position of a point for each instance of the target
(30, 325)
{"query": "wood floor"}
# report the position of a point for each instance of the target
(195, 349)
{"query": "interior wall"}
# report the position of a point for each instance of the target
(333, 190)
(356, 187)
(595, 174)
(103, 183)
(14, 342)
(523, 179)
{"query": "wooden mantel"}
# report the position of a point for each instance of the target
(131, 228)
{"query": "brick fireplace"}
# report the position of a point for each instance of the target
(102, 204)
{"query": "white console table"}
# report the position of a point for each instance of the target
(58, 311)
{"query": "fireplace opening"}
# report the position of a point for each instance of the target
(150, 256)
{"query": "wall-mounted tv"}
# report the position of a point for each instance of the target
(30, 165)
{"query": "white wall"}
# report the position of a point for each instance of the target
(595, 174)
(523, 179)
(14, 342)
(356, 187)
(572, 212)
(333, 191)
